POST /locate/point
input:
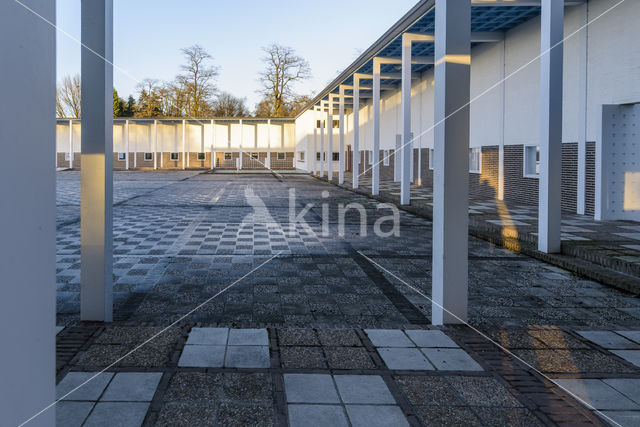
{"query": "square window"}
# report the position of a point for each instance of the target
(431, 153)
(68, 156)
(336, 157)
(318, 156)
(227, 156)
(318, 124)
(301, 156)
(385, 157)
(475, 154)
(281, 156)
(336, 124)
(148, 156)
(122, 156)
(201, 156)
(531, 161)
(254, 156)
(174, 156)
(370, 154)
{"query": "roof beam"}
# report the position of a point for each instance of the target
(418, 60)
(518, 2)
(476, 37)
(394, 76)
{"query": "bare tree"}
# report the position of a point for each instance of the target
(197, 81)
(283, 70)
(149, 103)
(227, 105)
(68, 97)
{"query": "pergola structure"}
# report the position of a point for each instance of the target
(436, 33)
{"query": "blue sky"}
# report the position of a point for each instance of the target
(148, 35)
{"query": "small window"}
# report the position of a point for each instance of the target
(531, 161)
(318, 156)
(319, 123)
(201, 156)
(336, 124)
(174, 156)
(370, 154)
(475, 154)
(431, 158)
(385, 157)
(148, 156)
(68, 156)
(122, 156)
(227, 156)
(254, 156)
(281, 156)
(301, 156)
(336, 157)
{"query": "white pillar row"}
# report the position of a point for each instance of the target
(322, 152)
(70, 144)
(161, 158)
(135, 150)
(126, 144)
(330, 139)
(550, 191)
(96, 206)
(269, 144)
(582, 109)
(451, 161)
(356, 132)
(155, 145)
(501, 122)
(406, 153)
(27, 216)
(241, 143)
(397, 159)
(341, 138)
(375, 161)
(184, 141)
(314, 159)
(213, 144)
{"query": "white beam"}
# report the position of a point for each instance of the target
(356, 132)
(27, 216)
(417, 60)
(550, 190)
(97, 161)
(451, 162)
(476, 37)
(341, 141)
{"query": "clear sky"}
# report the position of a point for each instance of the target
(148, 35)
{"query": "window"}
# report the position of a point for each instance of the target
(122, 156)
(148, 156)
(431, 158)
(475, 154)
(336, 157)
(281, 156)
(319, 123)
(254, 156)
(531, 161)
(68, 156)
(336, 124)
(370, 153)
(385, 157)
(318, 156)
(227, 156)
(301, 156)
(174, 156)
(201, 156)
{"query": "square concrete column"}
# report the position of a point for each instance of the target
(405, 156)
(213, 144)
(155, 144)
(322, 152)
(397, 159)
(269, 144)
(70, 144)
(28, 212)
(97, 161)
(241, 143)
(550, 191)
(375, 161)
(126, 144)
(184, 144)
(314, 161)
(330, 139)
(356, 132)
(451, 162)
(341, 141)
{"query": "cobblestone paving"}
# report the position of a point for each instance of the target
(181, 238)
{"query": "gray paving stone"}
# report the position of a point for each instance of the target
(363, 389)
(632, 335)
(451, 359)
(597, 394)
(208, 336)
(121, 414)
(246, 356)
(389, 338)
(71, 414)
(631, 356)
(410, 359)
(202, 356)
(424, 338)
(89, 391)
(627, 386)
(623, 418)
(132, 387)
(610, 340)
(310, 388)
(374, 416)
(248, 337)
(317, 416)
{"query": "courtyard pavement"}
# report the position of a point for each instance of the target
(318, 324)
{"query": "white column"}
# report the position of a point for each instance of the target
(155, 145)
(126, 144)
(241, 142)
(419, 179)
(405, 156)
(135, 150)
(341, 140)
(356, 131)
(397, 159)
(322, 152)
(375, 170)
(550, 191)
(501, 121)
(330, 140)
(314, 160)
(269, 144)
(161, 158)
(70, 144)
(451, 162)
(184, 142)
(27, 216)
(582, 111)
(213, 144)
(97, 158)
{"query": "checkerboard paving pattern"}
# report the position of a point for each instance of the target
(420, 350)
(224, 347)
(340, 400)
(108, 399)
(625, 344)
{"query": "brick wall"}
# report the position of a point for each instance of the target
(485, 183)
(590, 179)
(518, 188)
(569, 177)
